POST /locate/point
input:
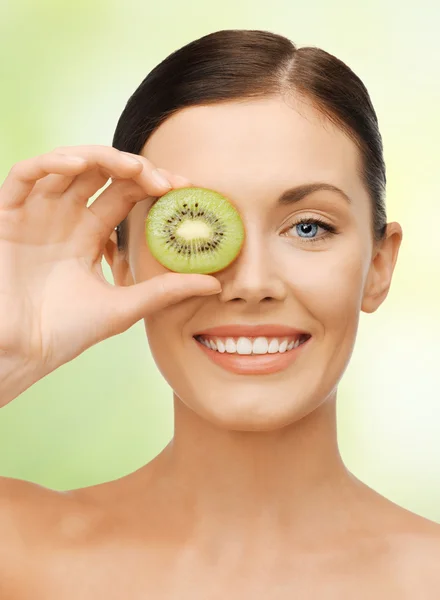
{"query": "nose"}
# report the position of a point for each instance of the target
(253, 277)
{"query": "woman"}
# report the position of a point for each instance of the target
(251, 497)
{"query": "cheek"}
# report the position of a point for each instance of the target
(168, 330)
(146, 266)
(165, 341)
(329, 283)
(171, 345)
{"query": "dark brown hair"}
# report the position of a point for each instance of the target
(241, 64)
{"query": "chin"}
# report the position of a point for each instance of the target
(250, 411)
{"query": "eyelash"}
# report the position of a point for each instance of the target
(330, 229)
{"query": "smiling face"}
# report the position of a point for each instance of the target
(303, 277)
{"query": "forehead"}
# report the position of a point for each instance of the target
(255, 146)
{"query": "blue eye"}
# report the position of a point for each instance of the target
(307, 229)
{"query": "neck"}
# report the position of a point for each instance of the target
(241, 481)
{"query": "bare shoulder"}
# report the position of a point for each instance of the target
(420, 551)
(25, 510)
(29, 514)
(403, 545)
(23, 505)
(415, 555)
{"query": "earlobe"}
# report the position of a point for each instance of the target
(114, 237)
(110, 248)
(373, 299)
(381, 269)
(378, 283)
(117, 262)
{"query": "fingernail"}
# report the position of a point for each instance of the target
(160, 179)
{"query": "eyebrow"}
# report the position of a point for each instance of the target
(297, 193)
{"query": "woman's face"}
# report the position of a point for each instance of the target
(295, 276)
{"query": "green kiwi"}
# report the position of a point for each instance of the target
(194, 230)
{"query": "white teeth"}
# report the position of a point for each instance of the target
(260, 345)
(244, 346)
(230, 346)
(283, 346)
(273, 346)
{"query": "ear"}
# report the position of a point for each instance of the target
(381, 269)
(118, 262)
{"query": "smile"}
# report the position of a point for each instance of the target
(252, 355)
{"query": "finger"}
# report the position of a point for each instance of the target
(111, 205)
(75, 189)
(91, 181)
(135, 302)
(177, 181)
(23, 175)
(115, 202)
(53, 185)
(86, 185)
(113, 161)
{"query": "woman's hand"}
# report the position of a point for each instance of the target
(54, 300)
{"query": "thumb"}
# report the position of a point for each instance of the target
(133, 302)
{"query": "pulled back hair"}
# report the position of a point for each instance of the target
(245, 64)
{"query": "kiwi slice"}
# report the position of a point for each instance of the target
(194, 230)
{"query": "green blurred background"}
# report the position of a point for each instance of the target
(67, 70)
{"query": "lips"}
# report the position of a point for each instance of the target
(276, 331)
(242, 362)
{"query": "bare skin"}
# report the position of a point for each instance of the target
(136, 537)
(251, 499)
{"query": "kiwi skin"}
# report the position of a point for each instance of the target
(213, 229)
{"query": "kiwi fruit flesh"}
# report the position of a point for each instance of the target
(194, 230)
